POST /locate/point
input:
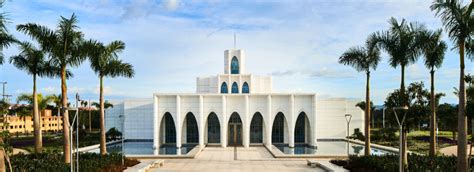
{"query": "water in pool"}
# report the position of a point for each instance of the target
(328, 148)
(146, 148)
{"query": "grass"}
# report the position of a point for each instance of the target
(418, 141)
(53, 142)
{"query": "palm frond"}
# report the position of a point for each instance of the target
(116, 68)
(434, 49)
(454, 18)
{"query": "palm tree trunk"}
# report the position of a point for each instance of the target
(2, 156)
(90, 127)
(367, 115)
(462, 121)
(405, 103)
(66, 146)
(402, 83)
(103, 149)
(36, 120)
(433, 118)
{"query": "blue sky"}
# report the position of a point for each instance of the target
(172, 42)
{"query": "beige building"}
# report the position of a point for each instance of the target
(18, 124)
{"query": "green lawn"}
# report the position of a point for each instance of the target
(418, 141)
(52, 142)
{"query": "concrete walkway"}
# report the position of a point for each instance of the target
(453, 150)
(17, 151)
(235, 159)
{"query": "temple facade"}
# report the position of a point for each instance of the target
(235, 108)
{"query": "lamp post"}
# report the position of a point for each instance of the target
(383, 117)
(123, 124)
(400, 125)
(71, 126)
(348, 120)
(77, 130)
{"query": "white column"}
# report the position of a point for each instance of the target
(156, 127)
(178, 122)
(268, 127)
(314, 139)
(201, 121)
(246, 125)
(291, 128)
(223, 122)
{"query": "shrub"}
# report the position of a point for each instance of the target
(53, 162)
(357, 135)
(389, 163)
(113, 134)
(384, 134)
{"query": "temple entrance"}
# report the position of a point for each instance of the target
(235, 130)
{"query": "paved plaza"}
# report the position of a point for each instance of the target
(235, 159)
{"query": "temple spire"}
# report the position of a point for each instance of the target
(235, 40)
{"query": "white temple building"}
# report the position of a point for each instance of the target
(234, 108)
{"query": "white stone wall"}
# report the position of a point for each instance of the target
(257, 84)
(138, 118)
(112, 116)
(330, 117)
(229, 54)
(325, 117)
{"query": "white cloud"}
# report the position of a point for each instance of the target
(171, 5)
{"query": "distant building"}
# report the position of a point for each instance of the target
(234, 108)
(17, 124)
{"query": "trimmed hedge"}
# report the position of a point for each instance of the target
(54, 162)
(389, 163)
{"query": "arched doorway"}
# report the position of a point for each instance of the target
(191, 128)
(168, 130)
(213, 129)
(279, 128)
(256, 128)
(302, 129)
(235, 130)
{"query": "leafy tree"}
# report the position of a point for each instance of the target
(113, 134)
(447, 118)
(458, 21)
(66, 49)
(363, 59)
(417, 98)
(362, 105)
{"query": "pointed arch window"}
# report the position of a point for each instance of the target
(245, 88)
(234, 66)
(224, 88)
(235, 88)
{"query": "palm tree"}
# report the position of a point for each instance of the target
(4, 106)
(363, 59)
(23, 112)
(56, 99)
(458, 22)
(5, 38)
(434, 55)
(106, 63)
(5, 41)
(66, 49)
(403, 43)
(32, 61)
